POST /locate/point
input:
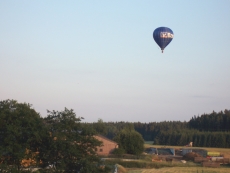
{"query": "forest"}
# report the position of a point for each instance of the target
(206, 130)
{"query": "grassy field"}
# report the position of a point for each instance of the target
(190, 169)
(174, 167)
(182, 170)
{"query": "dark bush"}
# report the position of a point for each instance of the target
(119, 151)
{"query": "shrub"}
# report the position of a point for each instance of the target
(119, 151)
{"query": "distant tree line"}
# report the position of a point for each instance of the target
(199, 139)
(212, 122)
(207, 130)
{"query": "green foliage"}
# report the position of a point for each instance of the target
(146, 164)
(207, 130)
(19, 125)
(100, 127)
(69, 146)
(211, 122)
(63, 141)
(59, 138)
(130, 140)
(12, 169)
(119, 151)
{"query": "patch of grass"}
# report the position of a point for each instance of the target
(148, 164)
(149, 142)
(121, 169)
(182, 170)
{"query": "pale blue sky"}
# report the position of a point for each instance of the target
(99, 58)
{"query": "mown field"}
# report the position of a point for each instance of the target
(182, 170)
(186, 168)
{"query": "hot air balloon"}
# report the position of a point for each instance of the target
(163, 36)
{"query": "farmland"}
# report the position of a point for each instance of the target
(184, 168)
(223, 151)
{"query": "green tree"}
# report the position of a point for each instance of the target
(130, 140)
(20, 136)
(100, 127)
(69, 146)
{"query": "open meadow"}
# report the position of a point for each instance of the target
(182, 170)
(187, 168)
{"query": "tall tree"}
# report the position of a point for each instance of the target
(100, 127)
(130, 140)
(20, 136)
(69, 146)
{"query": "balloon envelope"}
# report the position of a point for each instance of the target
(163, 36)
